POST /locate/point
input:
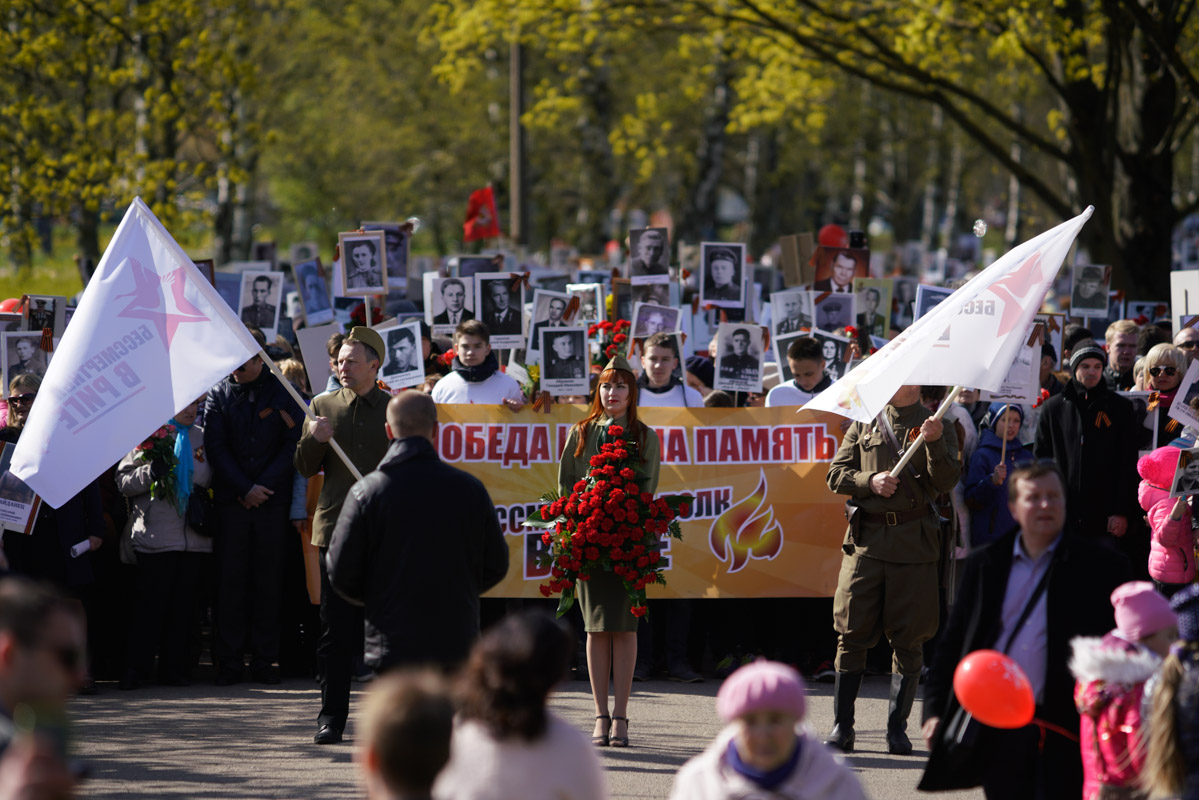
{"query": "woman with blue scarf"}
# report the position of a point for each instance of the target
(170, 555)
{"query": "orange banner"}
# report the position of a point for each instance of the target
(763, 523)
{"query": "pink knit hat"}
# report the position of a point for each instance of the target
(1141, 611)
(762, 685)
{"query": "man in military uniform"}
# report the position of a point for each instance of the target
(740, 366)
(260, 314)
(355, 416)
(724, 276)
(889, 571)
(563, 362)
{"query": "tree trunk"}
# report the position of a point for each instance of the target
(699, 213)
(87, 240)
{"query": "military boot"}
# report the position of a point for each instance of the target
(903, 692)
(845, 692)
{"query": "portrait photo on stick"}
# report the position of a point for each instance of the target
(721, 281)
(501, 300)
(564, 361)
(363, 264)
(740, 352)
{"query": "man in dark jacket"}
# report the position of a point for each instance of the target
(1000, 607)
(1090, 431)
(419, 579)
(252, 426)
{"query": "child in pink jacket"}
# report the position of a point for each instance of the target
(1172, 543)
(1111, 674)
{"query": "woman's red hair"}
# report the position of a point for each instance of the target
(597, 407)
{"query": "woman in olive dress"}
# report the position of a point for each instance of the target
(607, 615)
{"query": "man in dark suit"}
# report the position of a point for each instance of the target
(556, 309)
(502, 320)
(453, 295)
(1001, 608)
(870, 322)
(651, 253)
(844, 266)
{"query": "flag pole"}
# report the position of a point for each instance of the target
(1003, 447)
(308, 412)
(907, 456)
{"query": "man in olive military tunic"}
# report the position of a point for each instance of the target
(355, 416)
(889, 578)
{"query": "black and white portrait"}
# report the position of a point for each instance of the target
(45, 311)
(23, 355)
(780, 345)
(260, 301)
(649, 252)
(564, 362)
(740, 351)
(403, 365)
(591, 301)
(313, 292)
(501, 300)
(549, 310)
(929, 297)
(833, 348)
(791, 311)
(469, 266)
(1186, 476)
(12, 488)
(1187, 391)
(651, 289)
(903, 303)
(834, 310)
(448, 302)
(1088, 295)
(396, 241)
(622, 300)
(265, 251)
(228, 286)
(721, 279)
(363, 263)
(300, 252)
(873, 305)
(1146, 426)
(207, 267)
(12, 321)
(649, 319)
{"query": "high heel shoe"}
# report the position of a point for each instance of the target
(621, 741)
(603, 739)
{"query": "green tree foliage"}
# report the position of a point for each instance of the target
(1085, 102)
(104, 99)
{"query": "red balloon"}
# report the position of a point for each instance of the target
(993, 687)
(9, 304)
(833, 236)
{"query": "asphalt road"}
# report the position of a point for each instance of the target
(251, 741)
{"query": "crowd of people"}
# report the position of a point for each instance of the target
(1016, 527)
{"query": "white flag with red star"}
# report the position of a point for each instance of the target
(150, 335)
(969, 339)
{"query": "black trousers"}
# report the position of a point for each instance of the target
(1022, 765)
(342, 635)
(167, 588)
(249, 552)
(664, 633)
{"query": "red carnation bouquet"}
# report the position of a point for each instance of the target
(614, 338)
(607, 525)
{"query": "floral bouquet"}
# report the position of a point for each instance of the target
(159, 452)
(612, 336)
(607, 525)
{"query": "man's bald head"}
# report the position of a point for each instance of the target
(412, 414)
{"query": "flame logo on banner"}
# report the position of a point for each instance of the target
(747, 530)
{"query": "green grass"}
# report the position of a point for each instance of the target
(57, 274)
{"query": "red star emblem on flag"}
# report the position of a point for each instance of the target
(150, 300)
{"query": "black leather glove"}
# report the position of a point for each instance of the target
(159, 469)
